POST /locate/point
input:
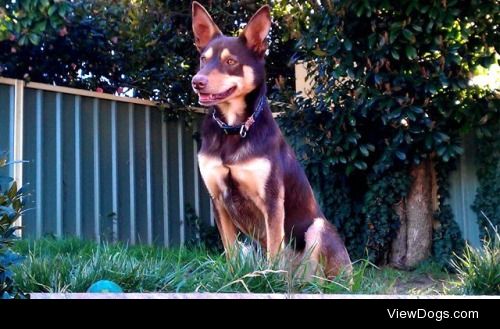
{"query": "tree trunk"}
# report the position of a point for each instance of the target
(414, 240)
(419, 214)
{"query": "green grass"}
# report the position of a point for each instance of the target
(478, 270)
(72, 265)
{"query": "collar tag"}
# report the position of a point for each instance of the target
(243, 131)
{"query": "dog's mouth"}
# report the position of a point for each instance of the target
(210, 99)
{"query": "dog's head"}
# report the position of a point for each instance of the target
(230, 67)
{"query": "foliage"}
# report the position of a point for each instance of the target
(143, 47)
(382, 222)
(27, 21)
(446, 237)
(478, 270)
(72, 265)
(11, 206)
(202, 235)
(391, 89)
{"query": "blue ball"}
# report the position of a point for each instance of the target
(105, 286)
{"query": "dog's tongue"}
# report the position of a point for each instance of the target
(207, 97)
(212, 97)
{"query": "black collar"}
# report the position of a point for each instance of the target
(242, 128)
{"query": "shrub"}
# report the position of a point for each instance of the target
(391, 90)
(11, 206)
(202, 234)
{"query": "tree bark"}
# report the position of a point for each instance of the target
(419, 214)
(414, 239)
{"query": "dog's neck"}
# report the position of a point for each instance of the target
(234, 110)
(237, 110)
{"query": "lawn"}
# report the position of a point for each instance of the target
(72, 265)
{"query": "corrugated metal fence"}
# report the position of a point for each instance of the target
(107, 167)
(100, 166)
(463, 187)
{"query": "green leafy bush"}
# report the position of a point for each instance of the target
(446, 237)
(390, 90)
(143, 47)
(11, 206)
(202, 234)
(382, 222)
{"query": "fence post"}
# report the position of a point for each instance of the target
(17, 137)
(114, 171)
(97, 175)
(131, 150)
(165, 179)
(180, 150)
(39, 162)
(59, 167)
(149, 197)
(78, 168)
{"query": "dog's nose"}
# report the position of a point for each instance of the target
(199, 82)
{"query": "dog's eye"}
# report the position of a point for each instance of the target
(230, 61)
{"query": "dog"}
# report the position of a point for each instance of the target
(256, 184)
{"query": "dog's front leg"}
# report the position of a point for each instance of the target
(274, 214)
(275, 227)
(227, 230)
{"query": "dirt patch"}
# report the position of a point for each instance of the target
(422, 284)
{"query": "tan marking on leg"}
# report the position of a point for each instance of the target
(253, 176)
(275, 231)
(227, 230)
(213, 174)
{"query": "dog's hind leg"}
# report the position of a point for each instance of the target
(325, 250)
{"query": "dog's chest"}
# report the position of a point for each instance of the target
(240, 186)
(249, 176)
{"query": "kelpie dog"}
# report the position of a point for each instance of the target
(256, 184)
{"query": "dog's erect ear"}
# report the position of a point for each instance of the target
(204, 27)
(257, 29)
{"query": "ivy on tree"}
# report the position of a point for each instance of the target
(391, 91)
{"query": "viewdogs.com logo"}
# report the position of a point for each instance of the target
(426, 314)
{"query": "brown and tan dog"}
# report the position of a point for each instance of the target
(256, 184)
